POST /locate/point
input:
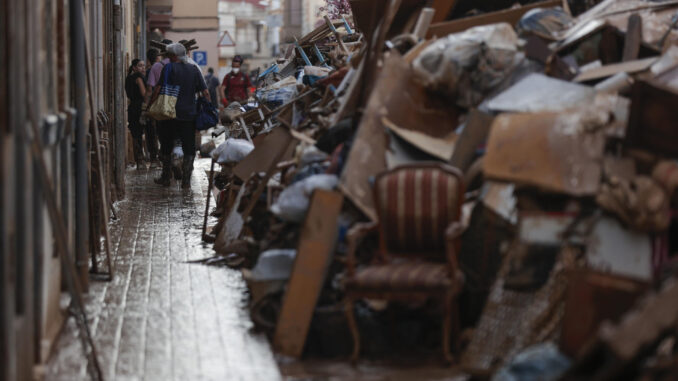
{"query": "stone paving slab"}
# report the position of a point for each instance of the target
(162, 318)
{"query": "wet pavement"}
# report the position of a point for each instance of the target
(162, 318)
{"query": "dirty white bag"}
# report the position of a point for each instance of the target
(293, 202)
(310, 154)
(232, 151)
(275, 264)
(469, 62)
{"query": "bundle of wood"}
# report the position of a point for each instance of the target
(188, 44)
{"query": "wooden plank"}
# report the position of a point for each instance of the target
(652, 119)
(264, 155)
(634, 36)
(538, 149)
(423, 22)
(314, 254)
(103, 200)
(474, 134)
(443, 9)
(510, 16)
(610, 70)
(593, 297)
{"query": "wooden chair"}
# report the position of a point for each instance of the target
(419, 209)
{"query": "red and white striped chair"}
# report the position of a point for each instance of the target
(419, 209)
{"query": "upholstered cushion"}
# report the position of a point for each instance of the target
(406, 276)
(415, 206)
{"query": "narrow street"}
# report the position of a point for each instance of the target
(162, 318)
(439, 190)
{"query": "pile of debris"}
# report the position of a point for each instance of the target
(520, 165)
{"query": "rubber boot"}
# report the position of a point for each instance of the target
(187, 169)
(176, 170)
(166, 173)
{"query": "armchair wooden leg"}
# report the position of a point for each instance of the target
(354, 329)
(456, 326)
(447, 328)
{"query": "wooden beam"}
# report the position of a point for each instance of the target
(443, 9)
(510, 16)
(314, 254)
(634, 37)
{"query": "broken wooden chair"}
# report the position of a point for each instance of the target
(419, 212)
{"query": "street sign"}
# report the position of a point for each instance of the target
(200, 57)
(226, 40)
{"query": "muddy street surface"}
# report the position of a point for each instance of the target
(162, 318)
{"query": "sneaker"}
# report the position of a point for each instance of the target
(155, 164)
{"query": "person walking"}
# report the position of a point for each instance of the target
(152, 57)
(212, 85)
(191, 82)
(236, 84)
(163, 134)
(136, 91)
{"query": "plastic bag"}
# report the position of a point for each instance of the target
(274, 264)
(277, 97)
(311, 154)
(541, 362)
(469, 64)
(293, 202)
(548, 23)
(232, 151)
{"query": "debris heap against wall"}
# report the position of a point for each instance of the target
(518, 166)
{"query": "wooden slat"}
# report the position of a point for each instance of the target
(510, 16)
(610, 70)
(314, 253)
(443, 9)
(634, 36)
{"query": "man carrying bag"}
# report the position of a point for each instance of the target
(179, 83)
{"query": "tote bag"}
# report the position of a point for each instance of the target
(165, 106)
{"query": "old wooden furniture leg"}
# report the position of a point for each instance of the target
(207, 206)
(350, 317)
(447, 327)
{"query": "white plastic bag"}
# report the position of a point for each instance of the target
(293, 202)
(232, 151)
(275, 264)
(311, 154)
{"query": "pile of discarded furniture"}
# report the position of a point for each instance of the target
(504, 184)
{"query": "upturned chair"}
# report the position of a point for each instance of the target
(419, 211)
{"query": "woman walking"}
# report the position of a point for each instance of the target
(135, 89)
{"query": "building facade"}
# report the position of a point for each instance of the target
(185, 20)
(300, 17)
(254, 28)
(63, 136)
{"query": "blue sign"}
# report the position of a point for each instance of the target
(200, 57)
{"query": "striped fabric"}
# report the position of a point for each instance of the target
(171, 90)
(415, 206)
(403, 277)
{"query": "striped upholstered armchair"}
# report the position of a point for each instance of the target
(419, 208)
